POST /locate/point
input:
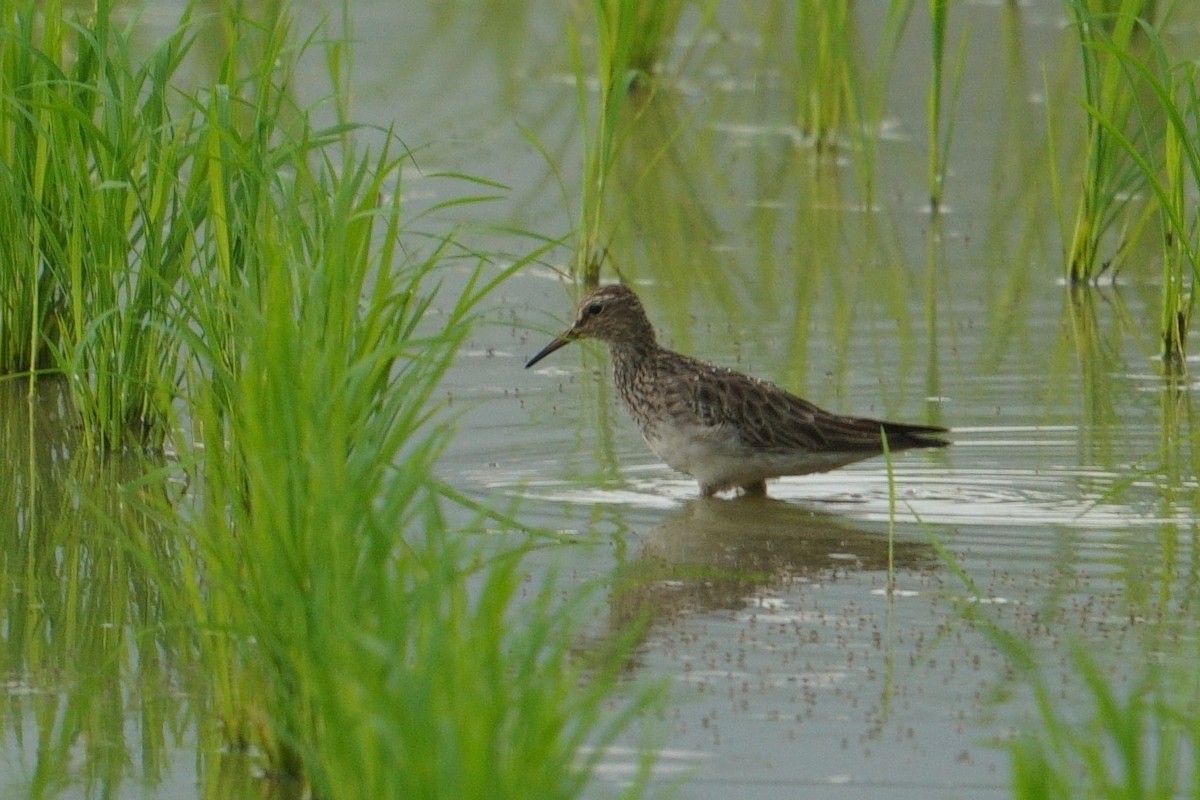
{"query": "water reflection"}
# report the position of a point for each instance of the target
(713, 554)
(755, 252)
(98, 676)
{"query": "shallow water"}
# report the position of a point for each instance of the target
(1066, 499)
(795, 669)
(793, 665)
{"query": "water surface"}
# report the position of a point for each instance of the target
(815, 640)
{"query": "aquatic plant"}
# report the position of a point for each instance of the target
(97, 228)
(366, 647)
(217, 267)
(644, 29)
(614, 60)
(1119, 736)
(837, 96)
(1175, 93)
(1159, 144)
(631, 40)
(1122, 741)
(940, 133)
(619, 42)
(828, 90)
(1110, 178)
(359, 642)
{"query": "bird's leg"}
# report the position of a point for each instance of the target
(756, 489)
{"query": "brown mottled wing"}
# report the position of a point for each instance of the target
(769, 418)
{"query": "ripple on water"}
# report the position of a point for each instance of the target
(1012, 497)
(980, 492)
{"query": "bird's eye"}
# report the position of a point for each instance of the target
(594, 309)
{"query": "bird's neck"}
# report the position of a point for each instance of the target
(632, 354)
(632, 368)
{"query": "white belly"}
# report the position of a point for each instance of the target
(717, 458)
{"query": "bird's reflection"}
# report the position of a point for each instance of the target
(712, 554)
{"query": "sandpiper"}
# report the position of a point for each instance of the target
(725, 429)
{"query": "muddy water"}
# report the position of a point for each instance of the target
(1065, 503)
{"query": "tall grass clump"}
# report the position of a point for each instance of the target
(649, 28)
(373, 651)
(839, 96)
(96, 231)
(600, 120)
(940, 133)
(1178, 215)
(631, 41)
(214, 270)
(356, 639)
(828, 89)
(1162, 147)
(1105, 32)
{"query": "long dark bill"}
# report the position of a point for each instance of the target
(561, 341)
